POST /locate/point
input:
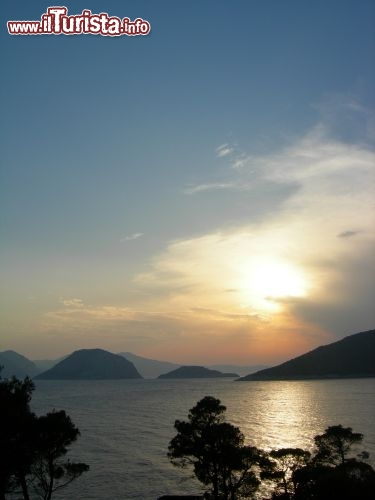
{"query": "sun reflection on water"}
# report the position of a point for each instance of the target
(281, 415)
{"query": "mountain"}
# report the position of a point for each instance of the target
(152, 368)
(46, 364)
(91, 364)
(353, 356)
(240, 369)
(17, 365)
(149, 368)
(196, 372)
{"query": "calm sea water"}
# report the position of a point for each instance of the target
(126, 425)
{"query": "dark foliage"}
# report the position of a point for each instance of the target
(348, 481)
(334, 445)
(215, 450)
(32, 448)
(282, 465)
(331, 473)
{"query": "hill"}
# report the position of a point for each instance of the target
(196, 372)
(17, 365)
(91, 364)
(240, 369)
(46, 364)
(149, 368)
(152, 368)
(351, 357)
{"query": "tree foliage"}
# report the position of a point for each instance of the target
(230, 470)
(282, 465)
(32, 447)
(55, 432)
(332, 473)
(216, 451)
(333, 446)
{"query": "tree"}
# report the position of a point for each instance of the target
(55, 432)
(332, 473)
(283, 463)
(351, 480)
(32, 447)
(333, 446)
(16, 428)
(215, 449)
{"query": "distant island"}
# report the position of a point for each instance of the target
(196, 372)
(15, 364)
(152, 368)
(18, 365)
(149, 368)
(91, 364)
(351, 357)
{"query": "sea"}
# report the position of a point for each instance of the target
(126, 425)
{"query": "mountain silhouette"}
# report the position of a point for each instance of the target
(196, 372)
(152, 368)
(149, 368)
(91, 364)
(46, 364)
(15, 364)
(353, 356)
(240, 369)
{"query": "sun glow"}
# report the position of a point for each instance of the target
(268, 280)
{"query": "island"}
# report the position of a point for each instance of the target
(14, 364)
(351, 357)
(196, 372)
(91, 364)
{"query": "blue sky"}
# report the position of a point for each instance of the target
(126, 161)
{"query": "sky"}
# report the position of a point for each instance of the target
(200, 194)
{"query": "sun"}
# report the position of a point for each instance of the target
(266, 280)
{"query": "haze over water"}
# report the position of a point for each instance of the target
(126, 425)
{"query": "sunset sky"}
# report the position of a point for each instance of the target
(202, 194)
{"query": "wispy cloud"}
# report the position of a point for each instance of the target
(132, 237)
(183, 304)
(348, 234)
(185, 335)
(240, 161)
(215, 186)
(335, 185)
(224, 150)
(72, 303)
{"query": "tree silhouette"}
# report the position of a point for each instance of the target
(333, 446)
(215, 449)
(16, 430)
(283, 463)
(32, 447)
(332, 474)
(55, 432)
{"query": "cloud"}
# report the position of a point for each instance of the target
(83, 314)
(132, 237)
(348, 234)
(210, 187)
(334, 187)
(193, 335)
(72, 303)
(223, 150)
(199, 296)
(240, 161)
(347, 306)
(346, 117)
